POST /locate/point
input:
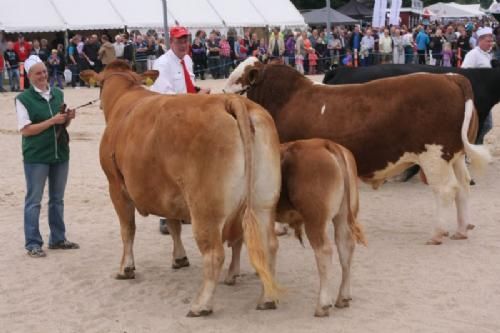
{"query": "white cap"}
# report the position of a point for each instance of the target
(484, 31)
(32, 60)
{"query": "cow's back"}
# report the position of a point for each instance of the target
(377, 124)
(167, 146)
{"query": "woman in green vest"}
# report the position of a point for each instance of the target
(45, 155)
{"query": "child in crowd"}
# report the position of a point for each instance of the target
(54, 64)
(313, 61)
(447, 55)
(347, 61)
(299, 62)
(262, 54)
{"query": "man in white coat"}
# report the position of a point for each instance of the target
(176, 76)
(480, 57)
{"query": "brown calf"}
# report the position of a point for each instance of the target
(319, 186)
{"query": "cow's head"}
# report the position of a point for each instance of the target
(244, 76)
(118, 67)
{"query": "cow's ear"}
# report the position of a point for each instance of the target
(88, 76)
(149, 77)
(253, 75)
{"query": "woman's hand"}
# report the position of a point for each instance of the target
(71, 114)
(59, 118)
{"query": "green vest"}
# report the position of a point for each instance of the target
(43, 147)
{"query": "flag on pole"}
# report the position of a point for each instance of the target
(379, 10)
(395, 9)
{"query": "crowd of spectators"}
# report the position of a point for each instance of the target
(311, 51)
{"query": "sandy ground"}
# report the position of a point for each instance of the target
(399, 284)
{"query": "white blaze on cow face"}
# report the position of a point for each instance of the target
(232, 84)
(323, 109)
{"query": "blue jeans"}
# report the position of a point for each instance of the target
(36, 175)
(1, 79)
(13, 78)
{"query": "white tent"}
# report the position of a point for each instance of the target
(453, 10)
(230, 11)
(192, 13)
(59, 15)
(41, 16)
(146, 14)
(279, 13)
(88, 14)
(473, 9)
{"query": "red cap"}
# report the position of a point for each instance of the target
(178, 32)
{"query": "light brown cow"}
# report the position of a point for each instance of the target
(386, 128)
(211, 159)
(319, 186)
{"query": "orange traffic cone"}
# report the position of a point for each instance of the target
(21, 76)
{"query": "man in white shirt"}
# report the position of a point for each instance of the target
(176, 77)
(119, 47)
(480, 56)
(176, 67)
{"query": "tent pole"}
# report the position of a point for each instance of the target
(328, 19)
(165, 24)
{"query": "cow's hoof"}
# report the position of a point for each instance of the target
(231, 280)
(323, 311)
(202, 313)
(270, 305)
(280, 230)
(181, 262)
(433, 242)
(343, 303)
(458, 236)
(128, 273)
(470, 226)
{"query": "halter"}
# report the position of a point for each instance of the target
(252, 85)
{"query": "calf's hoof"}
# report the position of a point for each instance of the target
(231, 280)
(128, 273)
(202, 313)
(323, 311)
(280, 230)
(342, 303)
(458, 236)
(270, 305)
(434, 242)
(181, 262)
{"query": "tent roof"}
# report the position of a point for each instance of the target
(59, 15)
(279, 13)
(148, 15)
(230, 11)
(42, 16)
(446, 10)
(191, 13)
(88, 14)
(321, 15)
(355, 9)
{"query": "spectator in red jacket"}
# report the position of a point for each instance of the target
(23, 50)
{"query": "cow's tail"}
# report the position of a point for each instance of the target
(252, 231)
(352, 202)
(478, 155)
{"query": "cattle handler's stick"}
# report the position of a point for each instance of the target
(62, 128)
